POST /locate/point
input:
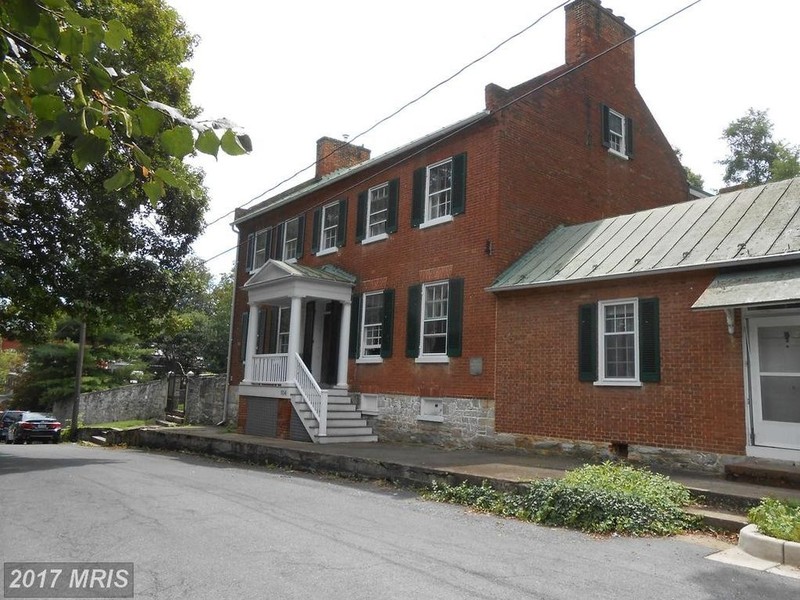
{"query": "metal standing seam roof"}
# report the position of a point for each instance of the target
(273, 270)
(749, 226)
(312, 185)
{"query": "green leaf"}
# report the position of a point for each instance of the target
(141, 157)
(74, 19)
(122, 178)
(150, 120)
(70, 41)
(46, 80)
(102, 132)
(154, 191)
(124, 116)
(246, 142)
(45, 129)
(116, 34)
(15, 106)
(89, 149)
(47, 107)
(24, 12)
(47, 31)
(169, 178)
(55, 3)
(99, 78)
(178, 141)
(55, 145)
(231, 144)
(208, 142)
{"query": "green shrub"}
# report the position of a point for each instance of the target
(607, 498)
(777, 518)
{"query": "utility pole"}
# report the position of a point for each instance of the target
(73, 432)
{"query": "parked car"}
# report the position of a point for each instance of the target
(6, 419)
(34, 426)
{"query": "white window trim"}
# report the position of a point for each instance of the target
(381, 236)
(371, 358)
(322, 250)
(602, 380)
(253, 267)
(426, 412)
(440, 357)
(285, 239)
(426, 222)
(622, 152)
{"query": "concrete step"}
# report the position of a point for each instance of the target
(765, 473)
(164, 423)
(99, 440)
(719, 519)
(347, 439)
(177, 419)
(334, 430)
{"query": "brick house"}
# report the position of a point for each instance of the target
(671, 333)
(363, 291)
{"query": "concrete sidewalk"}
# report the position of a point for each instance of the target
(419, 465)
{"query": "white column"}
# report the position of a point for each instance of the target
(294, 336)
(250, 348)
(344, 345)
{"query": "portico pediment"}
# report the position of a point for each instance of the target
(277, 280)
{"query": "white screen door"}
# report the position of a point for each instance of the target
(774, 346)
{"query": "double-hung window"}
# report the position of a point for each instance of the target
(291, 239)
(617, 132)
(330, 225)
(371, 326)
(282, 333)
(377, 212)
(619, 342)
(439, 192)
(434, 326)
(258, 248)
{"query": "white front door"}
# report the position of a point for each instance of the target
(774, 350)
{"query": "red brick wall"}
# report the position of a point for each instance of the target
(697, 405)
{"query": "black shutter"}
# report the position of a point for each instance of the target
(316, 231)
(391, 214)
(459, 183)
(251, 251)
(413, 320)
(455, 316)
(418, 197)
(341, 228)
(301, 230)
(587, 342)
(606, 137)
(387, 328)
(245, 322)
(361, 216)
(649, 343)
(276, 251)
(629, 137)
(272, 346)
(355, 327)
(262, 315)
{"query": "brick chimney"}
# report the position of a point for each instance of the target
(333, 155)
(592, 29)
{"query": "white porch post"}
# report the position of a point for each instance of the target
(295, 317)
(344, 345)
(250, 348)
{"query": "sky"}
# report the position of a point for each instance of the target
(289, 73)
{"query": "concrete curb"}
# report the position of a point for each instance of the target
(768, 548)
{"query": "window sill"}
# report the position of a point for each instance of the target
(327, 251)
(618, 383)
(290, 261)
(369, 360)
(618, 154)
(436, 359)
(377, 238)
(431, 418)
(435, 222)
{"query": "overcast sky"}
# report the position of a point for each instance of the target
(292, 72)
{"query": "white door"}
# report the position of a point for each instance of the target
(774, 348)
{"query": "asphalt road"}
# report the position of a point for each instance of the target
(197, 528)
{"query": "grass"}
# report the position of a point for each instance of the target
(118, 424)
(607, 498)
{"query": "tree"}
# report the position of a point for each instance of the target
(694, 179)
(754, 156)
(71, 244)
(81, 73)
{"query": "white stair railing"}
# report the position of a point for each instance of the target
(315, 397)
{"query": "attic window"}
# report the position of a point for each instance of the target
(617, 132)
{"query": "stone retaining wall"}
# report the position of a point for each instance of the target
(137, 401)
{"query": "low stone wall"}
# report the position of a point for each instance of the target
(136, 401)
(205, 399)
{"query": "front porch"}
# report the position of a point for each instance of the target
(298, 333)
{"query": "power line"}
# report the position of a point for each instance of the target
(394, 113)
(501, 108)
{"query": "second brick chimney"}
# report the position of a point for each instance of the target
(591, 29)
(333, 155)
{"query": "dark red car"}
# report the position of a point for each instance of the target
(34, 426)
